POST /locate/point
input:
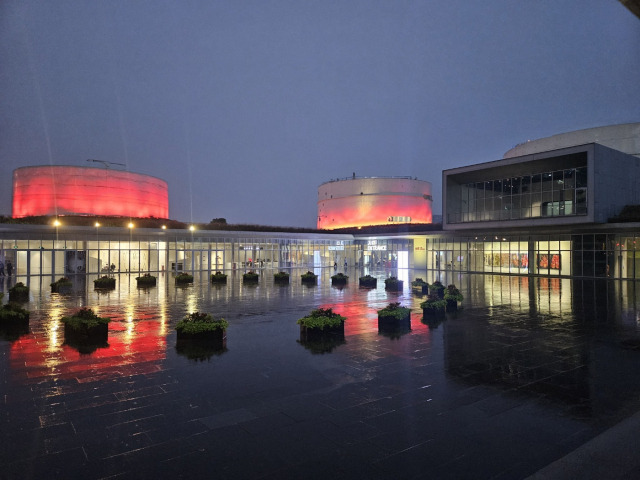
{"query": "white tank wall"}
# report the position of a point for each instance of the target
(373, 201)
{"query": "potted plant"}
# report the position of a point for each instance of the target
(321, 321)
(339, 279)
(85, 328)
(250, 277)
(394, 313)
(62, 285)
(202, 329)
(105, 282)
(393, 284)
(219, 277)
(281, 277)
(437, 289)
(184, 278)
(420, 286)
(433, 305)
(368, 281)
(19, 293)
(309, 277)
(146, 280)
(14, 320)
(452, 296)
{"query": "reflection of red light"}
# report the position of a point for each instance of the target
(60, 190)
(126, 354)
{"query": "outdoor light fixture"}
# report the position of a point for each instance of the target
(164, 227)
(192, 228)
(130, 225)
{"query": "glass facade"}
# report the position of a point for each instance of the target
(556, 193)
(559, 253)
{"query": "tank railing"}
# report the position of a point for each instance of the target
(355, 177)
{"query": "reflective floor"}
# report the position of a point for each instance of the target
(525, 372)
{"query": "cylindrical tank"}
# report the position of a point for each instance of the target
(363, 201)
(71, 190)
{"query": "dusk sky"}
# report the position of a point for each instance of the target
(246, 107)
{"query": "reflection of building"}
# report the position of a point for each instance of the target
(70, 190)
(363, 201)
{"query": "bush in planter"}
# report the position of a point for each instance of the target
(14, 321)
(309, 277)
(146, 280)
(433, 305)
(184, 278)
(250, 277)
(420, 286)
(219, 277)
(319, 322)
(394, 313)
(62, 285)
(368, 281)
(452, 296)
(339, 279)
(85, 328)
(200, 330)
(392, 283)
(437, 289)
(105, 282)
(19, 293)
(281, 277)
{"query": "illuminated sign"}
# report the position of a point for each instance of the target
(376, 247)
(336, 248)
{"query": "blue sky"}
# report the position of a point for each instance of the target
(245, 107)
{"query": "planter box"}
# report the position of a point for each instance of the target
(97, 335)
(394, 330)
(431, 312)
(452, 305)
(184, 279)
(390, 319)
(105, 283)
(281, 277)
(61, 288)
(422, 289)
(217, 337)
(218, 278)
(14, 322)
(250, 278)
(146, 281)
(369, 282)
(309, 279)
(393, 286)
(19, 293)
(315, 334)
(339, 280)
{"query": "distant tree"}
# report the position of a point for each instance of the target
(222, 221)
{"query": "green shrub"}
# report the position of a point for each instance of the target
(309, 277)
(453, 294)
(184, 278)
(281, 277)
(11, 313)
(219, 277)
(197, 323)
(394, 312)
(62, 282)
(146, 279)
(433, 304)
(105, 282)
(339, 279)
(392, 283)
(19, 292)
(321, 318)
(84, 318)
(419, 282)
(250, 277)
(436, 288)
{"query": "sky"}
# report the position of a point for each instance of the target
(246, 107)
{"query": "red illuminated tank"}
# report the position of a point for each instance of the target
(71, 190)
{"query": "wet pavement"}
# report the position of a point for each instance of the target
(527, 371)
